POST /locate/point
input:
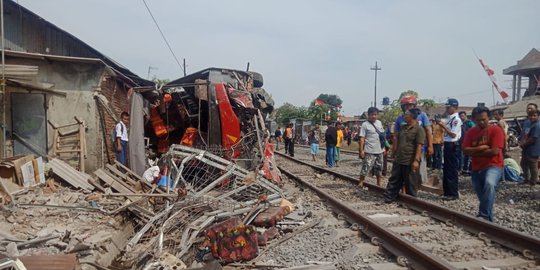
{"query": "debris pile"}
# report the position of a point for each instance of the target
(192, 208)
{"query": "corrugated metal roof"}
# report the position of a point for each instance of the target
(28, 32)
(69, 174)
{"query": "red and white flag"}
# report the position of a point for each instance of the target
(490, 74)
(318, 102)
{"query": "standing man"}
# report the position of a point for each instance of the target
(330, 136)
(464, 161)
(370, 147)
(289, 140)
(451, 152)
(525, 129)
(499, 116)
(484, 143)
(314, 138)
(339, 142)
(438, 134)
(531, 150)
(121, 139)
(407, 103)
(409, 143)
(277, 136)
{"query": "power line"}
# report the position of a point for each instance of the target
(163, 35)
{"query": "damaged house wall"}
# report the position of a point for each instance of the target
(65, 64)
(78, 81)
(116, 93)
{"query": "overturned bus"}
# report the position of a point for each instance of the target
(218, 110)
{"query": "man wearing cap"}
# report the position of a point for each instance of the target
(408, 102)
(452, 134)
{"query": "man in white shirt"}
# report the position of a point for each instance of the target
(121, 139)
(452, 134)
(371, 146)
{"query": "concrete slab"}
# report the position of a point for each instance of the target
(461, 243)
(510, 262)
(399, 218)
(405, 229)
(386, 266)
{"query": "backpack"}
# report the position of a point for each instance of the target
(113, 133)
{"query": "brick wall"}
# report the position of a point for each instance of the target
(116, 94)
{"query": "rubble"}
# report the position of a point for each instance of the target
(141, 224)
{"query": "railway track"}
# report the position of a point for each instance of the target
(420, 234)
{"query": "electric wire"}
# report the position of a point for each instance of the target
(163, 35)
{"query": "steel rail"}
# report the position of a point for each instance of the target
(527, 245)
(415, 257)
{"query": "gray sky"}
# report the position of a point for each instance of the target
(307, 47)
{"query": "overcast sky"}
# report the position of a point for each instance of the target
(308, 47)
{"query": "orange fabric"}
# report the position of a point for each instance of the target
(288, 133)
(189, 137)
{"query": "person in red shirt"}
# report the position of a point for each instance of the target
(485, 143)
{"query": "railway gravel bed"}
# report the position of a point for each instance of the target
(516, 206)
(440, 239)
(331, 241)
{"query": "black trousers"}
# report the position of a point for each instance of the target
(286, 143)
(291, 148)
(402, 175)
(451, 169)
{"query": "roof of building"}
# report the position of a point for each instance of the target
(527, 65)
(48, 39)
(518, 108)
(440, 108)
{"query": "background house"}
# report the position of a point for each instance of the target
(53, 76)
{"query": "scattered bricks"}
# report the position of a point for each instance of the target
(271, 216)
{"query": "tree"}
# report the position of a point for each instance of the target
(330, 99)
(160, 81)
(325, 103)
(391, 112)
(287, 111)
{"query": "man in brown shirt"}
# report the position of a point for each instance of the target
(407, 158)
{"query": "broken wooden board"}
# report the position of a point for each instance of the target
(50, 262)
(70, 175)
(113, 183)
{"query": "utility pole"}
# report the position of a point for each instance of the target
(3, 80)
(185, 72)
(375, 68)
(150, 68)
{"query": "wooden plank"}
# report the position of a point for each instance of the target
(56, 262)
(128, 171)
(119, 180)
(132, 174)
(101, 174)
(113, 170)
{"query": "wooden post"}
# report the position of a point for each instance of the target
(514, 87)
(519, 87)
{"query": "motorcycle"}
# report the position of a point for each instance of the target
(513, 138)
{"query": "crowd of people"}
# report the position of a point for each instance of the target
(475, 147)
